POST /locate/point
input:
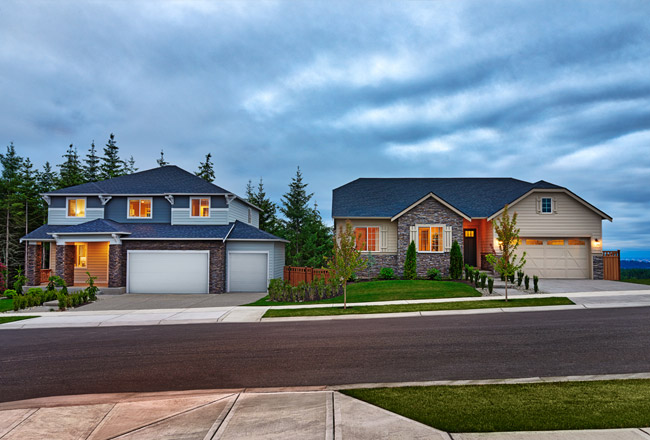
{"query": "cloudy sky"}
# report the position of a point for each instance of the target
(551, 90)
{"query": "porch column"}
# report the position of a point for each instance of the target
(116, 266)
(65, 262)
(33, 263)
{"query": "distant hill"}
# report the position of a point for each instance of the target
(635, 264)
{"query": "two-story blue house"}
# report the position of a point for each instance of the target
(163, 230)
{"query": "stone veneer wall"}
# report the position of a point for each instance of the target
(217, 258)
(381, 260)
(33, 263)
(65, 263)
(598, 266)
(428, 212)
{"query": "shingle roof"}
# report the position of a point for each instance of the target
(135, 231)
(386, 197)
(169, 179)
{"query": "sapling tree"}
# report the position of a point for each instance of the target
(508, 236)
(346, 259)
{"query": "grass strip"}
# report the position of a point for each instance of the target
(637, 281)
(396, 308)
(6, 304)
(519, 407)
(6, 319)
(390, 291)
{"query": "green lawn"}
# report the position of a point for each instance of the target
(637, 280)
(459, 305)
(390, 291)
(521, 407)
(6, 304)
(5, 319)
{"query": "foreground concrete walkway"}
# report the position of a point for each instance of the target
(213, 315)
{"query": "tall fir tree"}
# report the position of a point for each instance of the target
(161, 161)
(318, 243)
(11, 210)
(46, 179)
(91, 164)
(130, 167)
(206, 169)
(71, 172)
(111, 164)
(268, 216)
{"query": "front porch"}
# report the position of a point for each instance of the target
(478, 242)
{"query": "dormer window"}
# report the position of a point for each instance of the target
(547, 205)
(76, 207)
(200, 207)
(140, 208)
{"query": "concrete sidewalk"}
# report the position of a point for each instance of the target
(213, 315)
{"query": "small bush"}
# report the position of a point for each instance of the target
(468, 271)
(63, 301)
(483, 279)
(527, 282)
(477, 277)
(410, 263)
(490, 285)
(10, 293)
(34, 291)
(386, 273)
(19, 281)
(91, 290)
(434, 274)
(520, 277)
(511, 278)
(503, 277)
(535, 281)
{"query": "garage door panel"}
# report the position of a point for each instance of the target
(566, 258)
(168, 272)
(248, 271)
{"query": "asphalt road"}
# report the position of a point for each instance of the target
(38, 363)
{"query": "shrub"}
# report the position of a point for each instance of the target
(35, 291)
(483, 278)
(19, 281)
(490, 285)
(16, 304)
(503, 277)
(63, 301)
(280, 290)
(455, 262)
(520, 277)
(535, 281)
(410, 263)
(477, 277)
(527, 282)
(468, 271)
(434, 274)
(511, 278)
(91, 290)
(10, 293)
(386, 273)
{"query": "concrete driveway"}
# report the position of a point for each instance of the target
(547, 285)
(133, 301)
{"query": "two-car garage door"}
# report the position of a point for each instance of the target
(557, 257)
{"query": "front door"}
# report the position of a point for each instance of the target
(469, 245)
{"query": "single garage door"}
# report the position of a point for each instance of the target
(248, 271)
(168, 271)
(556, 257)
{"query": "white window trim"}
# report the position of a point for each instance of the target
(128, 207)
(378, 238)
(442, 238)
(541, 206)
(76, 255)
(209, 207)
(67, 199)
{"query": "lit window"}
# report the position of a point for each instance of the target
(201, 207)
(469, 233)
(555, 242)
(576, 242)
(139, 208)
(533, 242)
(76, 207)
(367, 239)
(547, 205)
(81, 252)
(430, 239)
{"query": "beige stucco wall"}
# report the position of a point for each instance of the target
(571, 219)
(387, 232)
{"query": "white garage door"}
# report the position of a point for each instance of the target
(247, 272)
(168, 271)
(556, 257)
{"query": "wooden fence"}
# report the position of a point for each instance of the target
(296, 275)
(612, 265)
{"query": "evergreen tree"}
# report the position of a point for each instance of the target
(410, 263)
(162, 162)
(112, 165)
(91, 164)
(455, 262)
(317, 244)
(46, 179)
(268, 217)
(130, 166)
(71, 172)
(11, 210)
(206, 170)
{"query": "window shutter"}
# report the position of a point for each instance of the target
(447, 238)
(414, 236)
(539, 205)
(383, 239)
(554, 201)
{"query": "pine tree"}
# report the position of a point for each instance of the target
(91, 164)
(162, 162)
(295, 208)
(410, 263)
(71, 172)
(130, 166)
(317, 244)
(268, 216)
(46, 179)
(112, 165)
(455, 262)
(11, 210)
(206, 170)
